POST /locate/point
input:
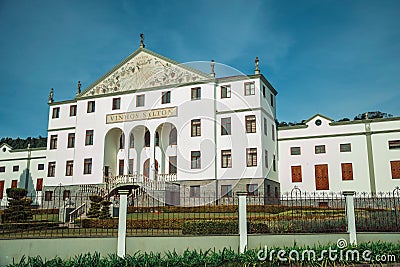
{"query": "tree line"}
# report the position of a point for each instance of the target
(19, 143)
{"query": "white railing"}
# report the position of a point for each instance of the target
(167, 177)
(76, 213)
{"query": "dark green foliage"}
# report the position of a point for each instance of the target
(105, 209)
(19, 206)
(94, 210)
(36, 225)
(372, 115)
(211, 258)
(221, 227)
(19, 143)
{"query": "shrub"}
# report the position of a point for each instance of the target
(19, 206)
(219, 227)
(94, 210)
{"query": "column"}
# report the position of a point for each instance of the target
(350, 215)
(242, 221)
(123, 204)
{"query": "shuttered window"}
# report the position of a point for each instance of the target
(250, 124)
(296, 174)
(395, 166)
(321, 177)
(347, 171)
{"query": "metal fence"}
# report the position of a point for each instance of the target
(147, 215)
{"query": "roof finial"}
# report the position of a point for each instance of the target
(212, 73)
(257, 70)
(79, 88)
(51, 96)
(142, 40)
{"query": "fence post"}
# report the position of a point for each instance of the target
(123, 203)
(242, 221)
(350, 216)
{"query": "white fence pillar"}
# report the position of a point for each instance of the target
(242, 221)
(350, 216)
(123, 204)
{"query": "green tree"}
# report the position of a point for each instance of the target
(19, 206)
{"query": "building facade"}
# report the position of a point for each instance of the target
(23, 168)
(326, 156)
(154, 120)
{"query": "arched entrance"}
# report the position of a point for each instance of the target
(146, 168)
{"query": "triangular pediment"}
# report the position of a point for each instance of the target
(143, 69)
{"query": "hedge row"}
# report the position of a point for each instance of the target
(221, 227)
(29, 225)
(132, 224)
(274, 209)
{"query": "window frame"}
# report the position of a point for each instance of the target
(226, 190)
(226, 91)
(71, 140)
(227, 121)
(166, 97)
(251, 123)
(51, 169)
(91, 106)
(73, 110)
(195, 160)
(251, 90)
(89, 137)
(69, 168)
(194, 191)
(195, 93)
(346, 147)
(295, 150)
(251, 157)
(393, 144)
(53, 142)
(140, 100)
(252, 189)
(55, 113)
(116, 103)
(318, 149)
(87, 166)
(226, 158)
(195, 128)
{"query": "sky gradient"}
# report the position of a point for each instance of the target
(337, 58)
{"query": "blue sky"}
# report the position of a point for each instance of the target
(338, 58)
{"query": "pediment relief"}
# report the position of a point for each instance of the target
(143, 70)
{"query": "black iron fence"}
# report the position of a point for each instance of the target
(82, 214)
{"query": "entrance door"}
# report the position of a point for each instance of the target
(146, 168)
(321, 177)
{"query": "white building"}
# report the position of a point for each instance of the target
(151, 117)
(24, 168)
(327, 156)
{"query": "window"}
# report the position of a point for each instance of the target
(252, 189)
(226, 190)
(72, 110)
(48, 196)
(147, 139)
(122, 141)
(121, 167)
(51, 169)
(320, 149)
(347, 171)
(69, 168)
(140, 100)
(226, 126)
(263, 91)
(131, 141)
(395, 166)
(196, 127)
(274, 164)
(172, 137)
(1, 189)
(166, 97)
(196, 93)
(196, 160)
(251, 157)
(295, 150)
(2, 169)
(16, 168)
(268, 190)
(296, 174)
(87, 166)
(394, 144)
(39, 184)
(250, 124)
(40, 167)
(226, 159)
(89, 138)
(130, 167)
(345, 147)
(266, 159)
(272, 100)
(53, 142)
(91, 107)
(265, 126)
(66, 194)
(116, 103)
(249, 88)
(14, 183)
(172, 165)
(226, 91)
(273, 132)
(56, 113)
(276, 192)
(195, 191)
(71, 140)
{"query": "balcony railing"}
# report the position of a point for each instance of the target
(140, 180)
